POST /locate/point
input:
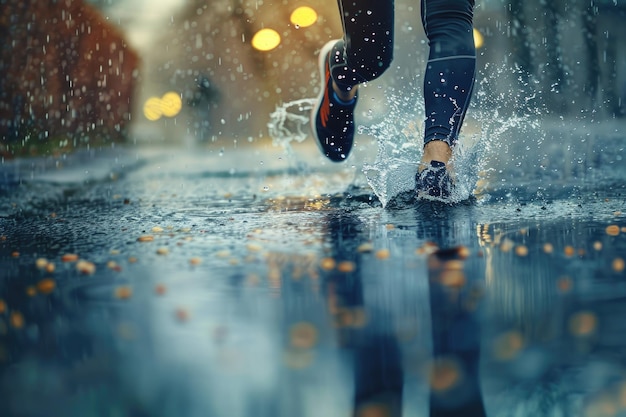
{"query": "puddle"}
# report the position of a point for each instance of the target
(283, 287)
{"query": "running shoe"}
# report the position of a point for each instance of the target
(332, 120)
(434, 181)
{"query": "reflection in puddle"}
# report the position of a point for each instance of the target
(199, 295)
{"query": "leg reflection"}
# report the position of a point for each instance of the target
(455, 385)
(366, 330)
(368, 337)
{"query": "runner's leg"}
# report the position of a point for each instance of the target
(450, 71)
(366, 50)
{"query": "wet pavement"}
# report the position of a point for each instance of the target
(244, 282)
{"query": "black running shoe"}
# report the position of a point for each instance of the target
(434, 181)
(332, 120)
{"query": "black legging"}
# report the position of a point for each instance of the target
(367, 50)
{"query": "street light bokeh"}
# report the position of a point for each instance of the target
(303, 17)
(265, 40)
(169, 106)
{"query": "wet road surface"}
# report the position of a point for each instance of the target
(162, 282)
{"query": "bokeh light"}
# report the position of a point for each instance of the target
(303, 17)
(265, 40)
(152, 109)
(479, 40)
(169, 106)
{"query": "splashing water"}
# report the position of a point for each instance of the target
(290, 122)
(399, 137)
(483, 138)
(398, 148)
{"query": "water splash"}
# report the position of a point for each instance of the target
(399, 138)
(484, 139)
(394, 169)
(399, 148)
(290, 122)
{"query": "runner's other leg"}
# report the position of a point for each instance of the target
(362, 55)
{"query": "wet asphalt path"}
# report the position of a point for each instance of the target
(151, 282)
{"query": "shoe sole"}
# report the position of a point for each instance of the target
(321, 64)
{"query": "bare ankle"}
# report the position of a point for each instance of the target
(345, 95)
(435, 150)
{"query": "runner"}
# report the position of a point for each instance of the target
(366, 51)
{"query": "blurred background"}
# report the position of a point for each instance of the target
(81, 72)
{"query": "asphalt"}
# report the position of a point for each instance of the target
(140, 281)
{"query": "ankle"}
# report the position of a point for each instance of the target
(344, 95)
(435, 150)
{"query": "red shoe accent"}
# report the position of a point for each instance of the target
(325, 107)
